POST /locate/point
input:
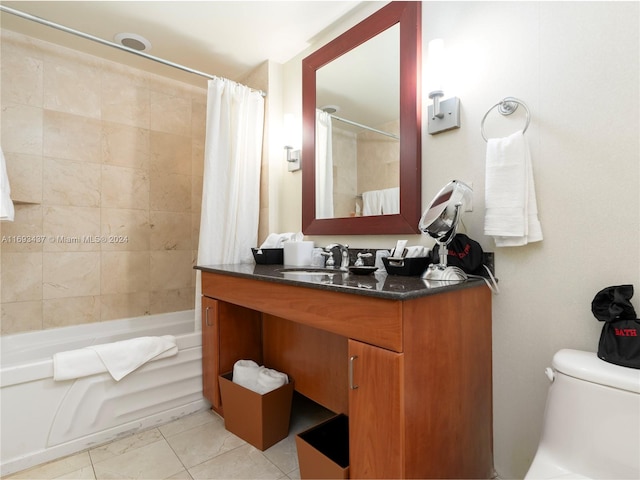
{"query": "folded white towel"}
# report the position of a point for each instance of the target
(276, 240)
(416, 251)
(6, 205)
(245, 374)
(371, 203)
(511, 215)
(390, 201)
(269, 380)
(117, 358)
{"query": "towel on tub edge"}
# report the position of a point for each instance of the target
(117, 358)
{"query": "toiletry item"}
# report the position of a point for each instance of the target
(380, 254)
(317, 258)
(398, 252)
(298, 254)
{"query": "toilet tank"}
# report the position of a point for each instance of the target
(592, 418)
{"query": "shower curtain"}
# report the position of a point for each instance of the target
(324, 166)
(231, 180)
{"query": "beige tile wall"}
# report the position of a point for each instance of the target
(95, 149)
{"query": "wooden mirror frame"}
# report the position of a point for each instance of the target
(409, 16)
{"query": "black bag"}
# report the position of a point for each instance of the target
(620, 337)
(464, 253)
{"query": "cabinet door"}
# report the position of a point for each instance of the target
(376, 412)
(210, 351)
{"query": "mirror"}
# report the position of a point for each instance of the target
(333, 79)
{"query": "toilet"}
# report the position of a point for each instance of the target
(591, 423)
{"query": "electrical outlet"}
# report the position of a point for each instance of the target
(469, 207)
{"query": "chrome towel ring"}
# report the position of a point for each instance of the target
(506, 106)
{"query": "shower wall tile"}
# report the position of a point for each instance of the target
(71, 137)
(168, 231)
(171, 300)
(103, 151)
(170, 113)
(125, 99)
(21, 276)
(21, 317)
(21, 129)
(170, 192)
(24, 234)
(63, 312)
(170, 153)
(124, 187)
(71, 182)
(70, 274)
(124, 305)
(27, 74)
(70, 85)
(170, 270)
(71, 229)
(125, 229)
(125, 146)
(25, 172)
(125, 272)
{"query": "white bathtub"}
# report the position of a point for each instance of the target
(42, 420)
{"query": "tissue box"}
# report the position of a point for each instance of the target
(410, 267)
(261, 420)
(323, 450)
(298, 254)
(268, 256)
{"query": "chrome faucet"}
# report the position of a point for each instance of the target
(344, 252)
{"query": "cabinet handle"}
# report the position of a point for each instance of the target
(206, 316)
(351, 362)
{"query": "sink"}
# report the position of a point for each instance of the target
(311, 271)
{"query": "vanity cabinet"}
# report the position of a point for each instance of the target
(411, 371)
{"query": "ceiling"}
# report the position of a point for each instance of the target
(222, 38)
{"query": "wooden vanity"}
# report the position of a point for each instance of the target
(410, 365)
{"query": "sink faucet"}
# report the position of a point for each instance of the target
(344, 251)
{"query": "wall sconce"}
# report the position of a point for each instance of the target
(443, 114)
(291, 133)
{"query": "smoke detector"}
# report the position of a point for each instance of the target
(133, 41)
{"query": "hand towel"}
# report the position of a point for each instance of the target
(511, 215)
(276, 240)
(269, 379)
(120, 357)
(6, 205)
(390, 201)
(371, 203)
(245, 374)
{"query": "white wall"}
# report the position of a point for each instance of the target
(576, 65)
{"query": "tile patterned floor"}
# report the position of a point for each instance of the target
(195, 447)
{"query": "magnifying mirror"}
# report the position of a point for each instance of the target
(440, 221)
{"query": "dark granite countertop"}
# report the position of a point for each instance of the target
(378, 284)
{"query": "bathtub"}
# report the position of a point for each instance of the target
(42, 420)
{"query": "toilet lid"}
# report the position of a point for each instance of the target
(587, 366)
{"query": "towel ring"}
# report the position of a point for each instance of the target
(506, 106)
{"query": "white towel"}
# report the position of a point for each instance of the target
(390, 201)
(269, 380)
(511, 215)
(6, 205)
(371, 203)
(245, 374)
(117, 358)
(276, 240)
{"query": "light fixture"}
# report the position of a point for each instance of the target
(291, 131)
(443, 114)
(133, 41)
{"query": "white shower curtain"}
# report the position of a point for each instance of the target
(324, 166)
(231, 179)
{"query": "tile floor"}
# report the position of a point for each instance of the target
(191, 448)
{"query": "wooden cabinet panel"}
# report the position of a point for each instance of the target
(229, 333)
(210, 334)
(376, 412)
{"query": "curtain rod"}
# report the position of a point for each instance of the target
(33, 18)
(351, 122)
